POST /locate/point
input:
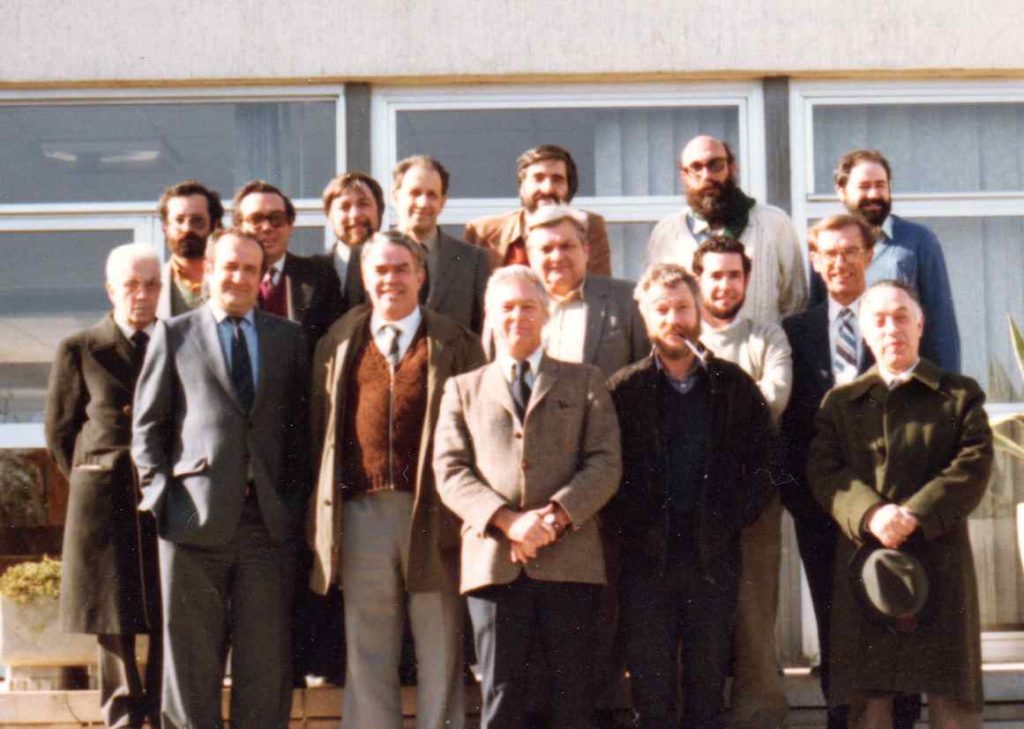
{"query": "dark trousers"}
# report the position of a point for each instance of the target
(238, 595)
(684, 613)
(127, 698)
(507, 620)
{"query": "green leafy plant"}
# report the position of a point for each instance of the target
(1002, 441)
(26, 581)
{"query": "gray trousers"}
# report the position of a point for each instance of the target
(375, 550)
(240, 596)
(127, 698)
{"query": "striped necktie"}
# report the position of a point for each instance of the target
(846, 346)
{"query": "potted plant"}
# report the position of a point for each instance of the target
(30, 634)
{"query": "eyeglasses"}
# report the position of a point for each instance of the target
(276, 219)
(847, 254)
(713, 166)
(133, 286)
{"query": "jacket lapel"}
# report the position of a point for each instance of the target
(208, 343)
(495, 384)
(114, 353)
(265, 352)
(597, 311)
(547, 375)
(821, 349)
(443, 261)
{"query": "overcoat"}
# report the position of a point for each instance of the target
(926, 444)
(110, 580)
(451, 350)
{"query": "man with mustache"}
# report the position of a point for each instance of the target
(717, 206)
(904, 251)
(547, 176)
(189, 212)
(698, 458)
(758, 696)
(354, 206)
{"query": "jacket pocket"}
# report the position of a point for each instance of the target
(98, 463)
(190, 467)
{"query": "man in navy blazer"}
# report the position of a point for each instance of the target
(220, 443)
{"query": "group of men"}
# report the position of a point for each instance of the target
(599, 469)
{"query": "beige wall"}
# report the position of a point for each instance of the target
(189, 41)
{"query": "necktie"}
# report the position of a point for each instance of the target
(846, 343)
(392, 333)
(241, 366)
(270, 299)
(140, 340)
(521, 391)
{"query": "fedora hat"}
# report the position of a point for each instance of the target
(890, 585)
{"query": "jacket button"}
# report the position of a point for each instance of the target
(526, 464)
(518, 435)
(327, 502)
(127, 410)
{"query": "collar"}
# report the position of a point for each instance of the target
(736, 322)
(886, 229)
(407, 325)
(507, 364)
(892, 379)
(128, 330)
(834, 307)
(342, 251)
(220, 315)
(696, 223)
(578, 294)
(178, 273)
(430, 242)
(684, 385)
(277, 267)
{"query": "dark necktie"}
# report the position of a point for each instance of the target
(241, 366)
(140, 340)
(391, 345)
(521, 391)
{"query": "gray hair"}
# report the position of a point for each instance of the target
(548, 216)
(394, 238)
(896, 285)
(121, 256)
(515, 272)
(668, 275)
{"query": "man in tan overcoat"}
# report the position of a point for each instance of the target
(378, 528)
(902, 456)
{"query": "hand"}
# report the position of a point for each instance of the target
(556, 516)
(892, 524)
(532, 531)
(519, 554)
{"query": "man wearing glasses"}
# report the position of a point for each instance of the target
(717, 206)
(305, 290)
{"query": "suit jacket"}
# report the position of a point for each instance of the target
(926, 445)
(314, 294)
(812, 378)
(451, 349)
(505, 237)
(110, 579)
(567, 451)
(197, 449)
(456, 287)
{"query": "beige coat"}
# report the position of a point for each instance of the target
(434, 531)
(567, 452)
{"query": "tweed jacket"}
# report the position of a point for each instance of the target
(926, 445)
(567, 451)
(451, 350)
(499, 233)
(110, 578)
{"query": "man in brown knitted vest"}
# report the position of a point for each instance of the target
(379, 529)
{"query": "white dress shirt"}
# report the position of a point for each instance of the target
(407, 329)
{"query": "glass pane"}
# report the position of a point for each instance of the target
(52, 288)
(131, 152)
(618, 151)
(628, 242)
(307, 241)
(931, 147)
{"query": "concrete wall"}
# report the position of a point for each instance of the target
(194, 41)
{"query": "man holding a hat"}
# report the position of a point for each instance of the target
(901, 458)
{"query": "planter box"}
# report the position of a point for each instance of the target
(30, 635)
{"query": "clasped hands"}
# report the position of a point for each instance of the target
(891, 524)
(531, 531)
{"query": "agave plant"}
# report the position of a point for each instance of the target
(1001, 440)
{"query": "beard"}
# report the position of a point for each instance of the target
(190, 246)
(534, 202)
(716, 202)
(672, 351)
(873, 217)
(727, 314)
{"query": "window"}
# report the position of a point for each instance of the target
(82, 173)
(957, 153)
(625, 140)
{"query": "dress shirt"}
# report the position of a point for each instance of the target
(684, 385)
(342, 257)
(508, 367)
(407, 328)
(128, 330)
(834, 307)
(893, 379)
(700, 228)
(226, 334)
(567, 327)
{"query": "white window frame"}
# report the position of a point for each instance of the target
(747, 97)
(141, 217)
(804, 97)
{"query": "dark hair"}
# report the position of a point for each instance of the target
(211, 243)
(264, 187)
(552, 152)
(349, 181)
(838, 222)
(419, 160)
(720, 244)
(187, 188)
(397, 238)
(851, 159)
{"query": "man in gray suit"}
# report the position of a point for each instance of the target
(220, 444)
(189, 212)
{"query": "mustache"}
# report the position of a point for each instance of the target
(191, 246)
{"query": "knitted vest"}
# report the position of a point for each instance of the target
(376, 456)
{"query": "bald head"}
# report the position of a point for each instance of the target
(704, 146)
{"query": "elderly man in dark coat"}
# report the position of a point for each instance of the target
(110, 584)
(901, 457)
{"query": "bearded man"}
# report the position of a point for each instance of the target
(189, 212)
(717, 206)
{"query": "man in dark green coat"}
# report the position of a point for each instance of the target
(902, 456)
